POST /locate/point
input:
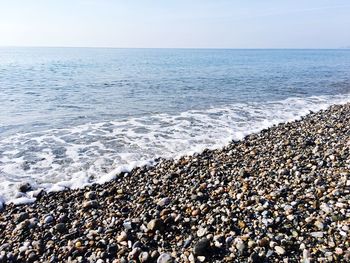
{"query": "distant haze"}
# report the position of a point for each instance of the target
(176, 23)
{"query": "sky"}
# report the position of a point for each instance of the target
(176, 23)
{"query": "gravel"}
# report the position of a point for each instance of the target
(282, 195)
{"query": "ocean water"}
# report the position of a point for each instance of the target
(75, 116)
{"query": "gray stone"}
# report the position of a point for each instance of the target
(165, 258)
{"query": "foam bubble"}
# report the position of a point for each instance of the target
(58, 159)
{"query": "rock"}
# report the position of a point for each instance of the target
(165, 258)
(2, 205)
(202, 247)
(244, 173)
(290, 217)
(187, 243)
(201, 232)
(155, 224)
(317, 234)
(25, 187)
(201, 258)
(61, 228)
(23, 225)
(264, 242)
(90, 204)
(112, 249)
(154, 254)
(339, 251)
(240, 246)
(319, 225)
(280, 250)
(144, 257)
(164, 202)
(48, 219)
(90, 195)
(78, 244)
(122, 237)
(134, 254)
(127, 224)
(195, 212)
(21, 217)
(255, 258)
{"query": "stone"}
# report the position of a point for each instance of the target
(61, 228)
(21, 217)
(155, 224)
(201, 258)
(164, 202)
(201, 232)
(144, 257)
(134, 254)
(90, 195)
(202, 247)
(25, 187)
(165, 258)
(319, 225)
(48, 219)
(280, 250)
(90, 204)
(122, 237)
(317, 234)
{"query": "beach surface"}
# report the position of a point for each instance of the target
(282, 195)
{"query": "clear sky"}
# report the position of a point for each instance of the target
(176, 23)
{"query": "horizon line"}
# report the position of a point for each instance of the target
(238, 48)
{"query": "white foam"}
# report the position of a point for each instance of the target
(58, 159)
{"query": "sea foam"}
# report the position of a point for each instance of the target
(58, 159)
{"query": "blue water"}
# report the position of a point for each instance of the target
(72, 116)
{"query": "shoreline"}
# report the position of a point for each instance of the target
(76, 180)
(283, 193)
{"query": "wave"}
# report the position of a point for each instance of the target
(57, 159)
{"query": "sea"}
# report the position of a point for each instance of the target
(71, 117)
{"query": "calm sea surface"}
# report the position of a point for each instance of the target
(74, 116)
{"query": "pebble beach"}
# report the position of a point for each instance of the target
(282, 195)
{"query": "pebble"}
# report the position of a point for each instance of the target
(319, 225)
(90, 204)
(122, 237)
(155, 224)
(21, 217)
(280, 250)
(317, 234)
(48, 219)
(25, 187)
(164, 202)
(144, 257)
(202, 247)
(90, 195)
(202, 232)
(61, 228)
(165, 258)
